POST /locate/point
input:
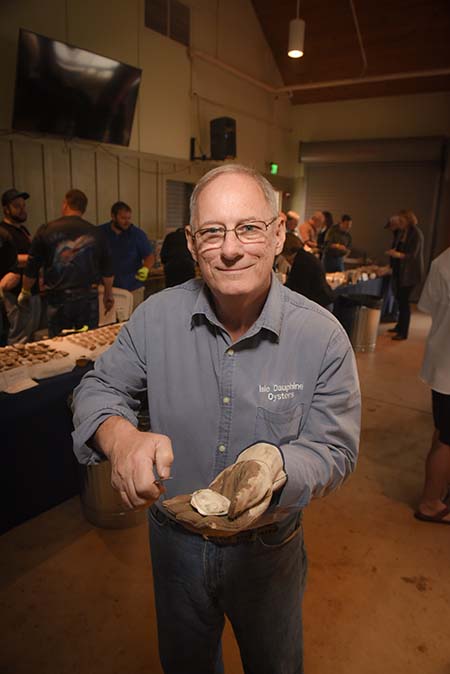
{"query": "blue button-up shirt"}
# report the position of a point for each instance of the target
(128, 249)
(290, 380)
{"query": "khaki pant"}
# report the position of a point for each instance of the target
(138, 296)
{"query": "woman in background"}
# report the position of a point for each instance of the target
(407, 266)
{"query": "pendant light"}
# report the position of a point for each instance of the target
(296, 36)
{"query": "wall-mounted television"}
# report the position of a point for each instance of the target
(71, 92)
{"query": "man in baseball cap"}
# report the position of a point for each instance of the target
(12, 195)
(22, 321)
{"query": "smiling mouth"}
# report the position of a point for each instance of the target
(234, 269)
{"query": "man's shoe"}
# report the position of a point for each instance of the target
(398, 337)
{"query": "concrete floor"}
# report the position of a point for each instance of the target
(78, 600)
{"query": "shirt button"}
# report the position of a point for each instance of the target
(230, 352)
(226, 400)
(221, 448)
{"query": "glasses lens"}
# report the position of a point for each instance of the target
(210, 236)
(251, 232)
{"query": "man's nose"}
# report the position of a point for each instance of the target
(231, 246)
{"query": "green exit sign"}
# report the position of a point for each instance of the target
(273, 168)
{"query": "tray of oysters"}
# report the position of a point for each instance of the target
(31, 354)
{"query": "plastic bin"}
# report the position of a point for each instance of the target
(360, 317)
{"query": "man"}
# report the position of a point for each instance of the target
(338, 243)
(309, 231)
(306, 275)
(74, 256)
(132, 253)
(232, 400)
(8, 261)
(23, 321)
(435, 300)
(179, 265)
(292, 221)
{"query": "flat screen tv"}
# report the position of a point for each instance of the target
(70, 92)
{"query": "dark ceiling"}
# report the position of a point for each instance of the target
(398, 37)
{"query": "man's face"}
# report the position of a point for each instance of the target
(122, 220)
(346, 225)
(317, 220)
(291, 224)
(16, 210)
(236, 269)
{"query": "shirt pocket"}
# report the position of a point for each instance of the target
(278, 427)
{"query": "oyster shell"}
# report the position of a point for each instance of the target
(210, 502)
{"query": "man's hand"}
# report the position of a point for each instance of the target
(24, 297)
(108, 301)
(134, 457)
(142, 274)
(248, 483)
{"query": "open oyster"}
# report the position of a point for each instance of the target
(209, 502)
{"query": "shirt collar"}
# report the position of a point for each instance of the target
(270, 317)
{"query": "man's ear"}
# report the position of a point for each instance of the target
(280, 234)
(190, 242)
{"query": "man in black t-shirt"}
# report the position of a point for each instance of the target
(74, 257)
(8, 260)
(23, 321)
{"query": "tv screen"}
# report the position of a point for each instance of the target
(71, 92)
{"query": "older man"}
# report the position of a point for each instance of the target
(309, 231)
(234, 404)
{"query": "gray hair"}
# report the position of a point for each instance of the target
(266, 188)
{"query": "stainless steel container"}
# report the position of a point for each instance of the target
(101, 503)
(364, 329)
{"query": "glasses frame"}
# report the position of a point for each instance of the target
(233, 229)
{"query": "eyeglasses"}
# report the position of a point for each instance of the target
(251, 231)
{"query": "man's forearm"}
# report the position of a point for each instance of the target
(27, 282)
(149, 261)
(108, 284)
(113, 433)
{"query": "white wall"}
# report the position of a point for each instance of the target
(178, 97)
(388, 117)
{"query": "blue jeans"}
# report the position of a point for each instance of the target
(72, 312)
(332, 263)
(258, 584)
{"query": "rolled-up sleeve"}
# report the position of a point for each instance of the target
(111, 388)
(325, 452)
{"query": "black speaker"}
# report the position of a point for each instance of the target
(223, 138)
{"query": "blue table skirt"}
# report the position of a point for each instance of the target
(39, 469)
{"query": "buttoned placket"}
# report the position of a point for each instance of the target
(227, 365)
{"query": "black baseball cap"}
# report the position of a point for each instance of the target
(12, 194)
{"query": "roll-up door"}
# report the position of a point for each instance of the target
(372, 179)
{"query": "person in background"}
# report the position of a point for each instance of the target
(328, 223)
(8, 261)
(306, 275)
(74, 256)
(292, 222)
(253, 390)
(23, 321)
(309, 231)
(338, 243)
(407, 266)
(435, 300)
(132, 253)
(179, 265)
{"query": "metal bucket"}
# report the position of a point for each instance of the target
(101, 503)
(364, 329)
